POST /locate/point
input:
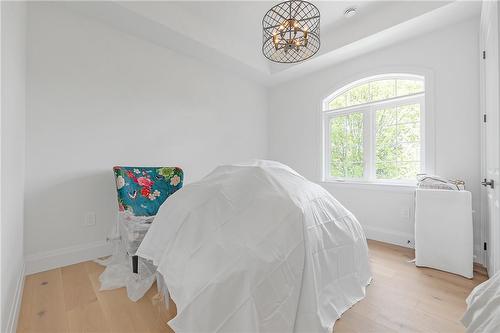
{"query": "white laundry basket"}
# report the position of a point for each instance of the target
(443, 230)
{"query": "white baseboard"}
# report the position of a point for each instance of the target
(15, 306)
(389, 236)
(44, 261)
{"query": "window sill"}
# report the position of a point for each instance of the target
(368, 185)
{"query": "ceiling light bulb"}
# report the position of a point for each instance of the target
(350, 12)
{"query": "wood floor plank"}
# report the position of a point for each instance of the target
(93, 267)
(26, 306)
(357, 322)
(401, 298)
(47, 311)
(78, 290)
(87, 318)
(115, 305)
(149, 314)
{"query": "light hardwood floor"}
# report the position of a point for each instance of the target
(401, 298)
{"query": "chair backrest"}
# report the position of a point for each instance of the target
(142, 190)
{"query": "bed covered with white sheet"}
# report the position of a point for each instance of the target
(257, 248)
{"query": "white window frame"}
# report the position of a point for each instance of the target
(368, 110)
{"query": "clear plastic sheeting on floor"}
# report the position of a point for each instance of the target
(483, 307)
(126, 237)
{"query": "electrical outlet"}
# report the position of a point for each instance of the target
(89, 219)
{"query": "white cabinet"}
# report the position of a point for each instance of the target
(443, 231)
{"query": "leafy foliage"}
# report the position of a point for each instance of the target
(397, 142)
(347, 146)
(376, 91)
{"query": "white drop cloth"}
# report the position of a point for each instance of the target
(257, 248)
(483, 307)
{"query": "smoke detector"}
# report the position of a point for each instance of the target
(350, 12)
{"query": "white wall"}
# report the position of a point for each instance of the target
(98, 97)
(13, 157)
(450, 55)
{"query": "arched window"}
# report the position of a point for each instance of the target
(373, 129)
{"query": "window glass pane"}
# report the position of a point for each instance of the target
(382, 89)
(387, 170)
(359, 95)
(338, 102)
(397, 142)
(386, 117)
(409, 132)
(408, 170)
(410, 152)
(408, 87)
(346, 137)
(376, 91)
(338, 147)
(397, 170)
(386, 135)
(337, 169)
(409, 113)
(386, 142)
(354, 170)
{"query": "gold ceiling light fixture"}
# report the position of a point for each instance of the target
(291, 31)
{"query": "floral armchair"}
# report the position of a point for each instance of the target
(141, 191)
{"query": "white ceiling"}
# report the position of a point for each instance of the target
(237, 25)
(242, 20)
(229, 33)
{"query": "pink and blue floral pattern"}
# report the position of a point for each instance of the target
(142, 190)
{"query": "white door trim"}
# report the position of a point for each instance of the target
(490, 14)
